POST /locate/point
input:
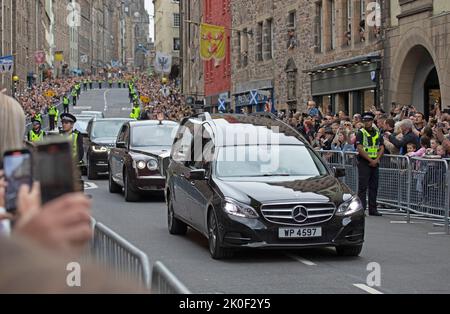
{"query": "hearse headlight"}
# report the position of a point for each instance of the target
(235, 208)
(350, 207)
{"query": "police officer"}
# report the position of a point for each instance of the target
(78, 89)
(68, 122)
(370, 146)
(90, 83)
(100, 84)
(53, 113)
(66, 103)
(74, 96)
(136, 112)
(110, 82)
(85, 84)
(37, 117)
(36, 134)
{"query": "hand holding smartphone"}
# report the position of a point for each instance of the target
(55, 169)
(18, 171)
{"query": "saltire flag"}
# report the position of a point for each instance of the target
(212, 42)
(6, 64)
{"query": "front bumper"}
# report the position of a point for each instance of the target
(258, 233)
(99, 161)
(150, 184)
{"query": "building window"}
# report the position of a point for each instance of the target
(375, 29)
(318, 29)
(362, 23)
(348, 32)
(268, 40)
(176, 20)
(176, 44)
(259, 42)
(244, 47)
(238, 49)
(332, 24)
(291, 20)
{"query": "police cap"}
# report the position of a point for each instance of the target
(368, 116)
(68, 118)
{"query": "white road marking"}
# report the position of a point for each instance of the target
(405, 222)
(301, 260)
(368, 289)
(106, 101)
(436, 233)
(126, 108)
(82, 108)
(90, 186)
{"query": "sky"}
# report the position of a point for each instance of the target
(149, 7)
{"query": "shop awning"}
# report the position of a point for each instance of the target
(359, 73)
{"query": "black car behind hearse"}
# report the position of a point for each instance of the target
(137, 164)
(252, 182)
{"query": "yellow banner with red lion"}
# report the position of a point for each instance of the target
(212, 42)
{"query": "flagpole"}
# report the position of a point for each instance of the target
(227, 28)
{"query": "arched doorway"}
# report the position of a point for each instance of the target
(432, 92)
(418, 82)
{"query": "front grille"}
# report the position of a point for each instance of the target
(283, 214)
(165, 165)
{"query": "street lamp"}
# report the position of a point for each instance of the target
(15, 79)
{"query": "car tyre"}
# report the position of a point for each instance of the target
(114, 188)
(215, 246)
(91, 173)
(176, 226)
(349, 251)
(130, 195)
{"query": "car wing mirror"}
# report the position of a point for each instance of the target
(197, 175)
(121, 145)
(339, 172)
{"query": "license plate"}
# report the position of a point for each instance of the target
(299, 233)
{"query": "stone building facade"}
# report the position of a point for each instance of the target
(271, 46)
(23, 27)
(417, 63)
(192, 67)
(348, 54)
(167, 28)
(42, 25)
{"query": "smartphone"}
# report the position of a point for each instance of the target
(55, 169)
(17, 166)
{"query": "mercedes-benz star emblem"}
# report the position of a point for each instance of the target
(300, 214)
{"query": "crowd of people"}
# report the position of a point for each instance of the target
(163, 98)
(38, 98)
(405, 130)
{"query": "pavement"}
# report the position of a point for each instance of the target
(412, 258)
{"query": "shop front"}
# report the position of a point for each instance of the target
(351, 85)
(218, 103)
(254, 96)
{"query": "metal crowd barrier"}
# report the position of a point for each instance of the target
(127, 262)
(119, 256)
(164, 282)
(411, 185)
